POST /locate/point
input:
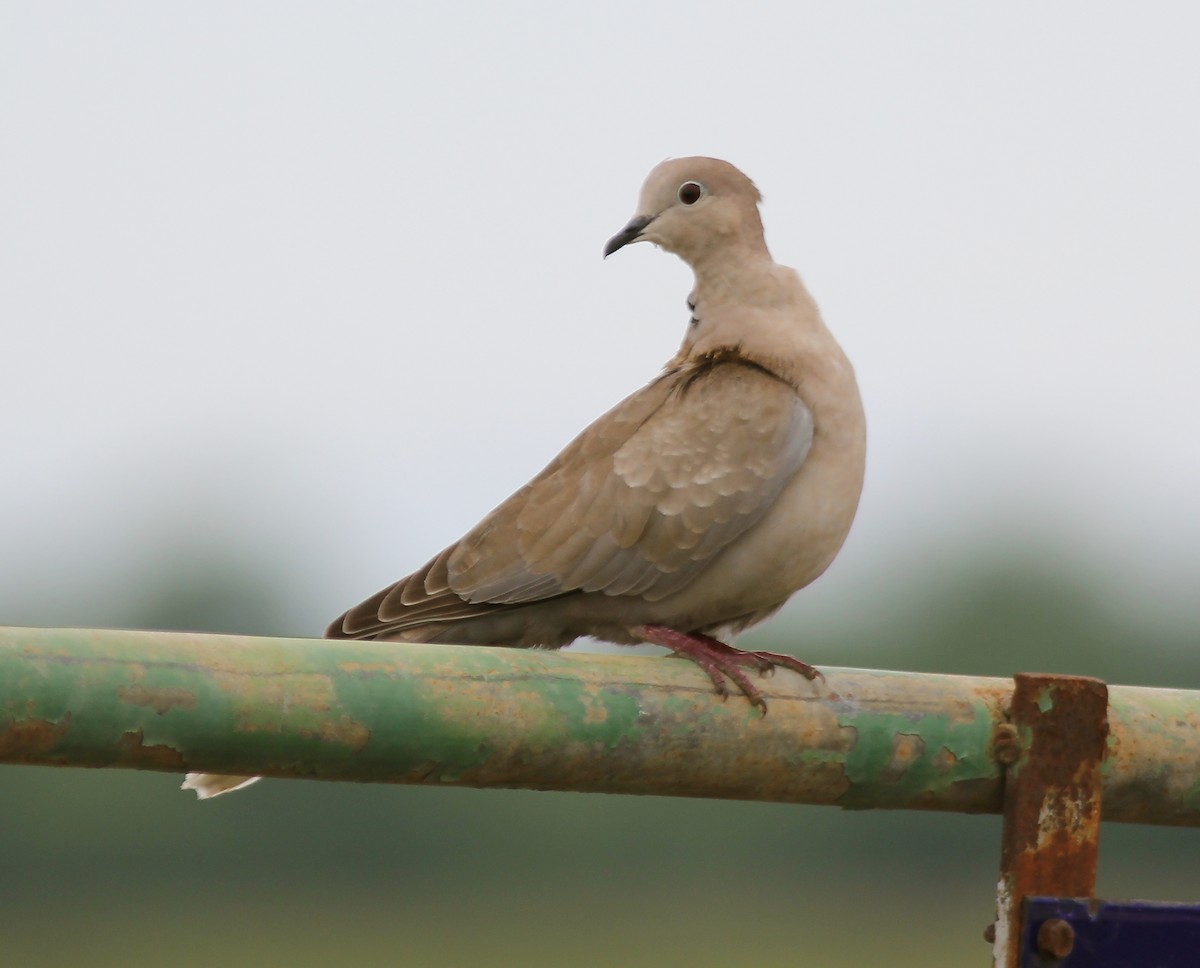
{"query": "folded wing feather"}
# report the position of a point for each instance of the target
(638, 504)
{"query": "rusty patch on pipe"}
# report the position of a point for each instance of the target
(907, 748)
(160, 700)
(135, 752)
(945, 760)
(347, 732)
(595, 713)
(31, 737)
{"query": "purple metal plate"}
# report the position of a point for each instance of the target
(1090, 933)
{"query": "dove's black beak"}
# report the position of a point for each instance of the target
(631, 233)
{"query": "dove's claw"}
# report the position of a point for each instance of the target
(774, 659)
(722, 662)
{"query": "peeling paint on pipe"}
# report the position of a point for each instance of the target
(489, 717)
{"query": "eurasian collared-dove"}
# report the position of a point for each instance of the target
(692, 509)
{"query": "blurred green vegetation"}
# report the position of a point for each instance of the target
(108, 868)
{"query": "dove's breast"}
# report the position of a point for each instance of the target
(801, 533)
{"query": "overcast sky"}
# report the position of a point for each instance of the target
(326, 278)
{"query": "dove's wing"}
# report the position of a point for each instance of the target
(638, 504)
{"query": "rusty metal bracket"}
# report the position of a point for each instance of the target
(1052, 748)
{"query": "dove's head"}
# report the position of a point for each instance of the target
(693, 207)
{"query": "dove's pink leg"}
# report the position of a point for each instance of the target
(721, 661)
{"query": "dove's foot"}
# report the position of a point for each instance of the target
(721, 661)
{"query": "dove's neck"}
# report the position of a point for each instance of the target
(747, 304)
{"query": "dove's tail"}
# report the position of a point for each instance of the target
(209, 785)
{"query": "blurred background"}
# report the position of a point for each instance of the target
(292, 294)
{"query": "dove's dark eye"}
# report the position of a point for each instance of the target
(690, 192)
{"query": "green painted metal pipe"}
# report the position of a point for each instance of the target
(490, 717)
